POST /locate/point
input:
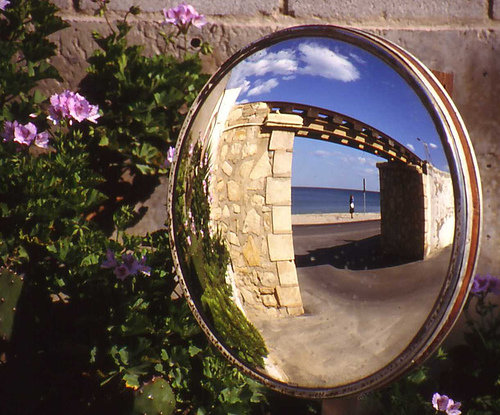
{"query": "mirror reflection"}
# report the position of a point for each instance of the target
(314, 212)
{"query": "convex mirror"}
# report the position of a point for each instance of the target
(324, 210)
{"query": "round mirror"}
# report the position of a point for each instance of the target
(324, 211)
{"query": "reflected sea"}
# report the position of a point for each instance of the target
(326, 200)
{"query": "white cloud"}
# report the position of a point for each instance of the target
(433, 145)
(263, 87)
(321, 153)
(362, 160)
(357, 58)
(321, 61)
(309, 59)
(262, 63)
(410, 146)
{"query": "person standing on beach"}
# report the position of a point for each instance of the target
(351, 206)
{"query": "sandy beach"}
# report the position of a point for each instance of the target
(328, 218)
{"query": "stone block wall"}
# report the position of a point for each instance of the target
(402, 210)
(417, 210)
(252, 206)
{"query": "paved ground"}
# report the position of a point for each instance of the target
(361, 309)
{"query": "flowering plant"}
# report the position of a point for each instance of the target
(71, 106)
(183, 16)
(443, 403)
(24, 134)
(73, 168)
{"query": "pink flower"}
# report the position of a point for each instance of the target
(80, 109)
(183, 16)
(25, 134)
(72, 106)
(42, 140)
(4, 4)
(453, 408)
(444, 404)
(58, 109)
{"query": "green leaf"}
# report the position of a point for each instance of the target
(144, 169)
(38, 97)
(131, 380)
(104, 141)
(91, 259)
(193, 350)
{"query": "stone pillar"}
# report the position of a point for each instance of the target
(251, 189)
(402, 210)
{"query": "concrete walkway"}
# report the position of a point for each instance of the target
(356, 320)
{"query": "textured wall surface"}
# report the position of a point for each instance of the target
(252, 198)
(454, 36)
(417, 209)
(402, 210)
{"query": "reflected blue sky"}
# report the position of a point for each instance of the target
(335, 75)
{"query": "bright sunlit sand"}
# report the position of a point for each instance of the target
(327, 218)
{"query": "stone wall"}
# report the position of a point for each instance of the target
(402, 210)
(417, 210)
(251, 190)
(440, 210)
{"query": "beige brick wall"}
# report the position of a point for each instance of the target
(253, 210)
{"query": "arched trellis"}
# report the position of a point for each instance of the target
(323, 124)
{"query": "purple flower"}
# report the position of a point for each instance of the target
(130, 265)
(183, 16)
(58, 109)
(485, 284)
(42, 140)
(170, 156)
(25, 134)
(4, 4)
(142, 267)
(71, 106)
(440, 402)
(8, 130)
(110, 261)
(453, 408)
(80, 109)
(121, 272)
(444, 404)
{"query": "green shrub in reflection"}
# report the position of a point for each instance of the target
(206, 259)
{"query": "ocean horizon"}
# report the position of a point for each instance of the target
(332, 200)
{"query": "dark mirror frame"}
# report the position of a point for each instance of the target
(466, 186)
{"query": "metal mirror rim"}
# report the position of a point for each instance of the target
(467, 187)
